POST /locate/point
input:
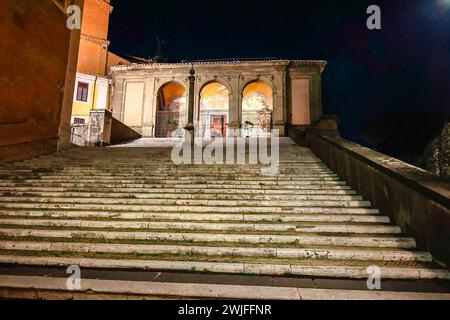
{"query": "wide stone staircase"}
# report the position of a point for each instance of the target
(133, 209)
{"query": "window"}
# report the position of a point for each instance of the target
(82, 91)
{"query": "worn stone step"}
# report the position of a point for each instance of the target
(69, 209)
(336, 240)
(303, 253)
(319, 269)
(306, 227)
(202, 217)
(188, 208)
(188, 202)
(165, 181)
(28, 287)
(148, 192)
(117, 186)
(199, 217)
(186, 195)
(290, 173)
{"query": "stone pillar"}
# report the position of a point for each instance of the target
(190, 125)
(117, 99)
(278, 116)
(235, 107)
(148, 114)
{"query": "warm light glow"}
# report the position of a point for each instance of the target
(171, 111)
(214, 111)
(257, 107)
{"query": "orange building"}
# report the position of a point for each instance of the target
(38, 57)
(94, 59)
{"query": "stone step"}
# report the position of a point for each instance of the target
(144, 164)
(28, 287)
(163, 162)
(207, 181)
(185, 195)
(198, 217)
(294, 240)
(173, 193)
(72, 209)
(321, 268)
(187, 202)
(305, 227)
(117, 186)
(164, 177)
(293, 253)
(165, 205)
(174, 171)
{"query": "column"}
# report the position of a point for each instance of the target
(148, 119)
(235, 107)
(190, 125)
(278, 115)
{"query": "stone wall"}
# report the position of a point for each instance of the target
(416, 200)
(102, 130)
(121, 133)
(34, 55)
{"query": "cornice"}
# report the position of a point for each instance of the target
(148, 66)
(95, 40)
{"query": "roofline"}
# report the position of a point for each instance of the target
(132, 66)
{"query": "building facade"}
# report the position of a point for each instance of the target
(94, 59)
(38, 57)
(254, 96)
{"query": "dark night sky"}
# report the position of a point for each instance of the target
(403, 67)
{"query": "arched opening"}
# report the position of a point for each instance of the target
(171, 110)
(257, 109)
(214, 110)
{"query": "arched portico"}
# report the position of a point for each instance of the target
(257, 107)
(213, 111)
(171, 109)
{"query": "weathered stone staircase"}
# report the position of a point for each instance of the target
(131, 208)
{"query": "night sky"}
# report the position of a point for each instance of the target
(405, 67)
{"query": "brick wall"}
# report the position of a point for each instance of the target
(34, 44)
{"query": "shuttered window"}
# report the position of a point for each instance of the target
(82, 91)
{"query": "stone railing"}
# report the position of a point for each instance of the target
(102, 130)
(414, 199)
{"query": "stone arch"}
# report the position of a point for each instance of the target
(171, 108)
(213, 111)
(257, 107)
(266, 80)
(166, 81)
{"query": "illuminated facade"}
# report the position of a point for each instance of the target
(94, 59)
(254, 96)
